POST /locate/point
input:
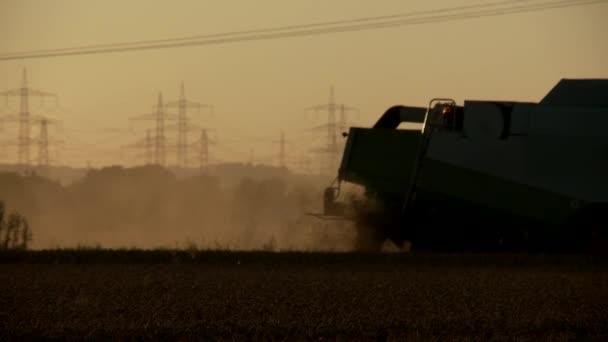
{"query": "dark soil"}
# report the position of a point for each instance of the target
(301, 296)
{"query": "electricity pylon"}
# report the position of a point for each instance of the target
(160, 140)
(25, 118)
(331, 150)
(183, 124)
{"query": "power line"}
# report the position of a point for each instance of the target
(360, 24)
(275, 29)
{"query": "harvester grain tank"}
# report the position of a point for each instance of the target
(482, 175)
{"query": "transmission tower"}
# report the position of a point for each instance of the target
(331, 152)
(204, 151)
(44, 141)
(160, 141)
(183, 125)
(282, 151)
(24, 118)
(203, 146)
(147, 144)
(282, 154)
(43, 145)
(149, 149)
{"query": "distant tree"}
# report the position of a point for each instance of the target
(15, 232)
(14, 223)
(2, 228)
(26, 234)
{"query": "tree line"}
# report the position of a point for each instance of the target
(238, 206)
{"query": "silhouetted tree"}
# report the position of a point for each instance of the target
(2, 228)
(14, 223)
(26, 234)
(15, 232)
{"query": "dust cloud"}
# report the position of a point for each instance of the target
(237, 207)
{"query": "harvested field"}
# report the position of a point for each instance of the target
(295, 296)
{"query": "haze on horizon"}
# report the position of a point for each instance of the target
(261, 88)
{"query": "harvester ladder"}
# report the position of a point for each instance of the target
(421, 152)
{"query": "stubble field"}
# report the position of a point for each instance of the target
(301, 296)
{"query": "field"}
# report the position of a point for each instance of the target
(95, 294)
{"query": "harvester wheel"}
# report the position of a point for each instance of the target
(590, 230)
(368, 241)
(369, 236)
(597, 234)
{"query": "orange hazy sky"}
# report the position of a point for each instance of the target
(261, 88)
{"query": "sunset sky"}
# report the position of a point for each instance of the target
(261, 88)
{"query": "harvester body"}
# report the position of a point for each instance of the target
(486, 174)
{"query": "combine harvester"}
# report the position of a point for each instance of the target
(484, 176)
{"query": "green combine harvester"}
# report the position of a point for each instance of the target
(485, 175)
